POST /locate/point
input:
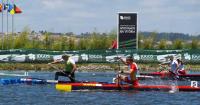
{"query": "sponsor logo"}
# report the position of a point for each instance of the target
(194, 84)
(43, 57)
(125, 17)
(195, 57)
(95, 56)
(147, 57)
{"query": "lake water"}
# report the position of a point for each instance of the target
(22, 94)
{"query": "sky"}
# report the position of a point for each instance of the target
(79, 16)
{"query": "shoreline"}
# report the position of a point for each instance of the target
(85, 67)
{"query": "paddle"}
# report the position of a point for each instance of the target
(175, 76)
(118, 77)
(61, 71)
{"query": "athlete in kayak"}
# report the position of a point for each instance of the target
(173, 68)
(70, 68)
(180, 69)
(130, 75)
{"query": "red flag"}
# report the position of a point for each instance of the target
(17, 9)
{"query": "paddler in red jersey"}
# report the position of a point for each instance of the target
(130, 75)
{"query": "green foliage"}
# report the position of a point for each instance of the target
(148, 43)
(36, 44)
(93, 41)
(71, 43)
(140, 39)
(178, 44)
(22, 40)
(82, 44)
(48, 41)
(112, 34)
(194, 44)
(63, 43)
(162, 45)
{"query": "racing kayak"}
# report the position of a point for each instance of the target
(104, 86)
(8, 81)
(161, 75)
(16, 75)
(100, 86)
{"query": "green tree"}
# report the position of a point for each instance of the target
(140, 41)
(162, 44)
(106, 42)
(37, 44)
(92, 41)
(48, 41)
(82, 43)
(71, 43)
(22, 39)
(9, 43)
(64, 42)
(113, 34)
(56, 46)
(178, 44)
(195, 44)
(148, 43)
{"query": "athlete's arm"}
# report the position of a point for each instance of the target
(126, 72)
(177, 67)
(124, 62)
(56, 61)
(74, 66)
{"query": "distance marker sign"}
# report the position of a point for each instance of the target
(127, 30)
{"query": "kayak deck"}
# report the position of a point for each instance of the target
(158, 75)
(98, 86)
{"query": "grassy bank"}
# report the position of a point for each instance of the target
(86, 67)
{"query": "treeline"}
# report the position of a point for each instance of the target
(48, 41)
(179, 41)
(171, 36)
(94, 40)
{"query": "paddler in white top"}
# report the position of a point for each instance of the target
(173, 65)
(70, 68)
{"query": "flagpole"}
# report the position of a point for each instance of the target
(7, 28)
(13, 26)
(2, 26)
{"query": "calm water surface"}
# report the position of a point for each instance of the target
(21, 94)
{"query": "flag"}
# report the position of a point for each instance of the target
(1, 7)
(10, 7)
(17, 10)
(12, 12)
(5, 6)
